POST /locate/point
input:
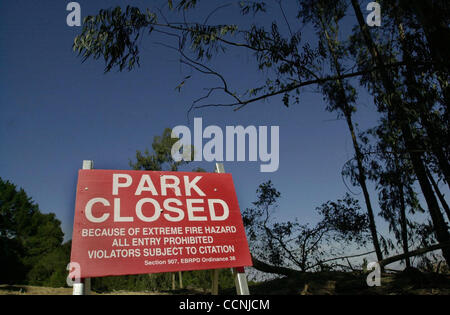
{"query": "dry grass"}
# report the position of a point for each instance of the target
(340, 283)
(325, 283)
(31, 290)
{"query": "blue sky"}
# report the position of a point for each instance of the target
(56, 112)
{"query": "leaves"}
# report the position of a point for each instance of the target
(293, 244)
(252, 6)
(346, 218)
(113, 35)
(26, 234)
(160, 158)
(183, 4)
(178, 88)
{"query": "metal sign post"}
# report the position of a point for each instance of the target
(240, 279)
(84, 286)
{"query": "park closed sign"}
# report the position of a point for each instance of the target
(135, 222)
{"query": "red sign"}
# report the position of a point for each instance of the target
(133, 222)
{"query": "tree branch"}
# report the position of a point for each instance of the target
(262, 266)
(417, 252)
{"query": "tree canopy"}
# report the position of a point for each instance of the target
(27, 238)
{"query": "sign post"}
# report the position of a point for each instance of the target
(240, 279)
(83, 287)
(215, 282)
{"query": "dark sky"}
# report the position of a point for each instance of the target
(56, 112)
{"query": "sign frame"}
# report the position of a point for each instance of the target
(83, 287)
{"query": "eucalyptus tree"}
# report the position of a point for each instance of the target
(425, 85)
(286, 60)
(291, 245)
(341, 96)
(391, 170)
(390, 97)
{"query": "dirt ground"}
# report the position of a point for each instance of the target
(329, 283)
(33, 290)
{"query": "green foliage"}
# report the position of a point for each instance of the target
(113, 35)
(27, 236)
(192, 280)
(50, 270)
(202, 279)
(291, 244)
(252, 6)
(12, 268)
(346, 218)
(161, 157)
(183, 4)
(134, 283)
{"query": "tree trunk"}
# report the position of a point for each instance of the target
(416, 252)
(395, 105)
(362, 183)
(436, 147)
(180, 278)
(262, 266)
(345, 107)
(404, 225)
(432, 17)
(433, 135)
(173, 281)
(439, 194)
(435, 25)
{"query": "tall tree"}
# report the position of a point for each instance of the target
(392, 172)
(26, 234)
(398, 110)
(295, 246)
(340, 95)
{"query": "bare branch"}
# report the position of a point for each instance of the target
(340, 258)
(417, 252)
